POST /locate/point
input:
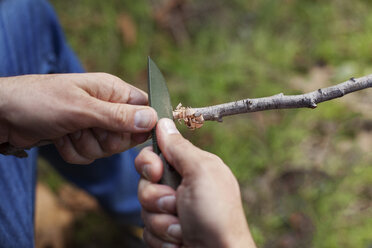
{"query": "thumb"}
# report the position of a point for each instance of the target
(120, 117)
(178, 151)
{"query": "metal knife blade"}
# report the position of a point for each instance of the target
(159, 99)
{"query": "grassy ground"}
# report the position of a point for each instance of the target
(306, 175)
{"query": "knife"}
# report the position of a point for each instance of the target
(159, 99)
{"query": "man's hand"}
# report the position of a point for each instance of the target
(88, 115)
(206, 209)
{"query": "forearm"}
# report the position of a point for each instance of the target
(245, 240)
(2, 98)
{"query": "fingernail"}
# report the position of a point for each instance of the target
(60, 142)
(169, 245)
(76, 135)
(167, 204)
(168, 126)
(143, 118)
(145, 171)
(175, 231)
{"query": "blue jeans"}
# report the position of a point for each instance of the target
(31, 42)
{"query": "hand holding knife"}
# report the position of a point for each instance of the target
(159, 99)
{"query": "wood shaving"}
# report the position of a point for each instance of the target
(187, 114)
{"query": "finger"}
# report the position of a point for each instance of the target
(114, 142)
(178, 151)
(67, 150)
(107, 102)
(149, 165)
(164, 226)
(122, 117)
(110, 88)
(86, 144)
(156, 198)
(137, 96)
(139, 138)
(154, 242)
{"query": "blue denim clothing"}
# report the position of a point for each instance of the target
(31, 42)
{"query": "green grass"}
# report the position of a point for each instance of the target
(240, 49)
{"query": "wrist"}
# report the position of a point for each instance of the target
(239, 236)
(4, 127)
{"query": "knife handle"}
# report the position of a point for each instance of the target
(170, 175)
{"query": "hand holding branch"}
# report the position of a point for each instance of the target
(87, 116)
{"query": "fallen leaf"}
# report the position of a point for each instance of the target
(76, 199)
(170, 15)
(51, 219)
(128, 29)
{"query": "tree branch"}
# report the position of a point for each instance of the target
(281, 101)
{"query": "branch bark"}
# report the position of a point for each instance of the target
(281, 101)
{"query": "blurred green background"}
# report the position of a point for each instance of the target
(305, 175)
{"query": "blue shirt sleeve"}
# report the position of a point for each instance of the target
(32, 42)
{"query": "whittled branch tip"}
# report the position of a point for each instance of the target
(194, 117)
(188, 116)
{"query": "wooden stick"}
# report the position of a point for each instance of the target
(281, 101)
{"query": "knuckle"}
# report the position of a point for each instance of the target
(112, 146)
(116, 85)
(86, 146)
(154, 224)
(146, 236)
(71, 157)
(138, 159)
(114, 81)
(68, 157)
(147, 157)
(88, 153)
(120, 116)
(85, 161)
(212, 157)
(141, 158)
(146, 194)
(116, 142)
